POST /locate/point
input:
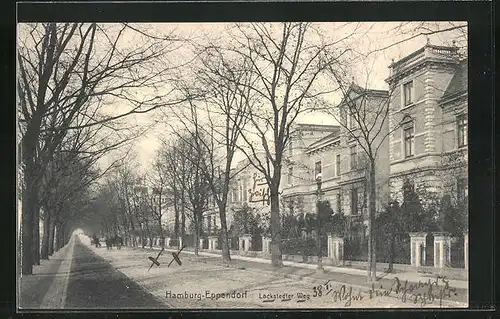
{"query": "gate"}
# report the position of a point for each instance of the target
(457, 253)
(429, 250)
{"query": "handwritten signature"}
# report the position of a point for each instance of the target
(422, 293)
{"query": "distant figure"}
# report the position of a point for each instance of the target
(96, 241)
(109, 243)
(118, 241)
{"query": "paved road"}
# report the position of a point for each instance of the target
(97, 278)
(186, 286)
(94, 283)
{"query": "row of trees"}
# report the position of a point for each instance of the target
(71, 77)
(241, 94)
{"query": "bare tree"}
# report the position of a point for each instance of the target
(175, 168)
(65, 179)
(76, 156)
(286, 62)
(193, 182)
(363, 115)
(158, 198)
(123, 181)
(214, 116)
(70, 69)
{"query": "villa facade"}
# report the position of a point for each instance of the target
(423, 139)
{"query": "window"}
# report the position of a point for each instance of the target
(461, 188)
(408, 93)
(240, 193)
(245, 191)
(354, 157)
(349, 120)
(290, 147)
(337, 164)
(462, 130)
(409, 138)
(317, 169)
(290, 175)
(354, 201)
(339, 203)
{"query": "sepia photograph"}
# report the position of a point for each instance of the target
(270, 165)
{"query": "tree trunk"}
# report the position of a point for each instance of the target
(372, 266)
(276, 257)
(58, 237)
(51, 237)
(44, 254)
(196, 235)
(183, 218)
(143, 243)
(30, 198)
(36, 236)
(226, 256)
(391, 254)
(162, 241)
(126, 230)
(150, 235)
(176, 223)
(132, 227)
(65, 236)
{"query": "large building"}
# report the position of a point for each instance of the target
(337, 153)
(428, 117)
(421, 137)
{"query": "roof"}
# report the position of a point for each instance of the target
(325, 141)
(458, 83)
(360, 91)
(314, 127)
(444, 49)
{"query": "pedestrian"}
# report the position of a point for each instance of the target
(109, 243)
(95, 241)
(119, 242)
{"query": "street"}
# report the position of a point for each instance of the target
(91, 283)
(119, 279)
(261, 165)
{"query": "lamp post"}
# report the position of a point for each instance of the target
(318, 222)
(142, 234)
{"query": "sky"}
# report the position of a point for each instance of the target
(367, 37)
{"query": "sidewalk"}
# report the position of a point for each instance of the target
(46, 287)
(341, 275)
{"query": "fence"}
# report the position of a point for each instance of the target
(234, 243)
(355, 249)
(429, 250)
(457, 253)
(304, 246)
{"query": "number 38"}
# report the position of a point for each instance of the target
(317, 291)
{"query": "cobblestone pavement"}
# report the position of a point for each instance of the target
(206, 283)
